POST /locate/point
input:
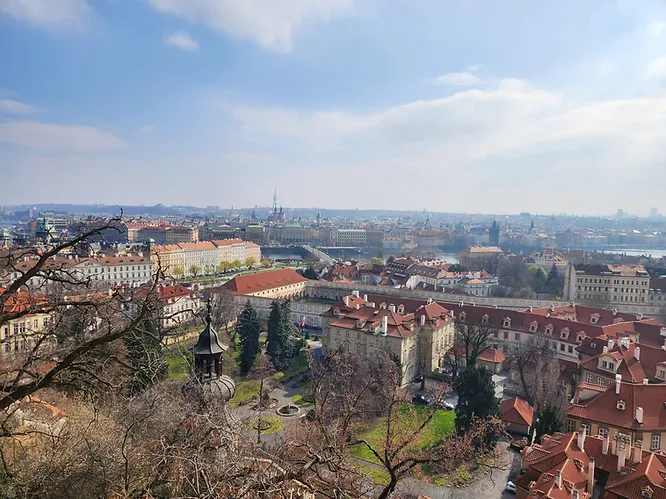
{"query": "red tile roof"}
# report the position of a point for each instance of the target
(517, 411)
(492, 355)
(628, 367)
(263, 281)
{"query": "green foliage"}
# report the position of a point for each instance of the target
(539, 279)
(246, 392)
(310, 273)
(278, 344)
(274, 424)
(265, 263)
(195, 270)
(457, 267)
(377, 260)
(144, 352)
(249, 262)
(248, 330)
(476, 399)
(548, 420)
(179, 365)
(555, 282)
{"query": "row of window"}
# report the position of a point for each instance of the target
(655, 440)
(615, 281)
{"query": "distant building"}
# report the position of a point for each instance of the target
(609, 283)
(476, 254)
(494, 234)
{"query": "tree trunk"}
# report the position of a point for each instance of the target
(388, 490)
(521, 370)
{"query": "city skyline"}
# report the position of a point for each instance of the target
(449, 106)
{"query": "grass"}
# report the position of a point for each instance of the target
(246, 392)
(297, 365)
(178, 362)
(275, 425)
(298, 400)
(442, 424)
(378, 476)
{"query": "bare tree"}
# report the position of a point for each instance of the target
(225, 308)
(472, 339)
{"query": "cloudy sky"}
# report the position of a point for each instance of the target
(448, 105)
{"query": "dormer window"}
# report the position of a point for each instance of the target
(506, 322)
(661, 373)
(647, 492)
(533, 326)
(485, 319)
(620, 405)
(382, 305)
(579, 338)
(594, 318)
(564, 333)
(549, 329)
(401, 309)
(462, 316)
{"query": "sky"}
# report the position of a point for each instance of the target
(479, 106)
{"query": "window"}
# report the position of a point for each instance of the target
(600, 381)
(604, 364)
(569, 349)
(585, 428)
(570, 426)
(516, 336)
(589, 378)
(603, 432)
(655, 442)
(611, 365)
(561, 347)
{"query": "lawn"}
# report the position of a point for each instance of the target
(178, 362)
(298, 400)
(378, 476)
(442, 424)
(297, 365)
(246, 392)
(275, 425)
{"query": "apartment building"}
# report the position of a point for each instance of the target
(611, 283)
(633, 412)
(132, 270)
(203, 257)
(418, 333)
(347, 237)
(178, 304)
(470, 256)
(18, 335)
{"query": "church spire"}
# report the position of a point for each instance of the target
(208, 350)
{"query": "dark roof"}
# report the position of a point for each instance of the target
(209, 342)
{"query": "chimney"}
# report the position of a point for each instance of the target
(604, 445)
(618, 383)
(385, 325)
(639, 415)
(638, 452)
(365, 298)
(346, 300)
(605, 349)
(611, 344)
(646, 381)
(621, 455)
(356, 294)
(392, 307)
(423, 320)
(637, 352)
(614, 312)
(581, 440)
(590, 477)
(558, 479)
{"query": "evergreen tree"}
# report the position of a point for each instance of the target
(548, 419)
(278, 345)
(144, 352)
(554, 282)
(248, 330)
(476, 398)
(310, 273)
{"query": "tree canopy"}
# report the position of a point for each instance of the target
(248, 330)
(476, 399)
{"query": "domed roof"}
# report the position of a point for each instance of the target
(209, 342)
(221, 389)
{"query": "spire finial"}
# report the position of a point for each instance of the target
(209, 316)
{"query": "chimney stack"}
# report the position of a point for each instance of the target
(558, 479)
(639, 415)
(590, 477)
(346, 300)
(618, 383)
(621, 455)
(392, 307)
(611, 344)
(604, 445)
(605, 349)
(385, 325)
(423, 320)
(365, 298)
(581, 440)
(637, 352)
(638, 452)
(646, 381)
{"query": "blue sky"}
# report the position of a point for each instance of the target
(448, 105)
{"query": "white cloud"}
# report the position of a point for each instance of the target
(182, 40)
(656, 68)
(15, 107)
(46, 136)
(269, 23)
(655, 28)
(462, 79)
(51, 13)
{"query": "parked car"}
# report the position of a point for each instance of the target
(447, 406)
(420, 399)
(511, 487)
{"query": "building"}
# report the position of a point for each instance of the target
(132, 270)
(607, 283)
(178, 304)
(518, 415)
(479, 254)
(273, 284)
(494, 234)
(630, 360)
(418, 333)
(633, 411)
(347, 237)
(546, 260)
(18, 335)
(204, 257)
(492, 359)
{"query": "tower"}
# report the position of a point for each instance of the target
(275, 201)
(493, 237)
(208, 386)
